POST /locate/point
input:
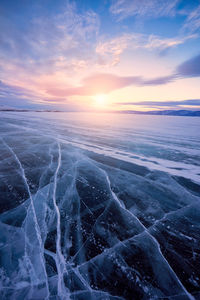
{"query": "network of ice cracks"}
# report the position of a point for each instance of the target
(76, 225)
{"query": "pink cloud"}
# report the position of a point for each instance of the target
(104, 83)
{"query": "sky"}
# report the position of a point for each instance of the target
(100, 55)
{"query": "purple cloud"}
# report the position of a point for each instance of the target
(190, 68)
(190, 102)
(159, 80)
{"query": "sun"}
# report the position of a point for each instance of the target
(100, 100)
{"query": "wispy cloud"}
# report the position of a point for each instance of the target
(9, 91)
(142, 8)
(192, 22)
(109, 51)
(155, 42)
(49, 44)
(47, 50)
(17, 97)
(14, 96)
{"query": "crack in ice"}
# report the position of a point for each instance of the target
(60, 260)
(36, 225)
(148, 233)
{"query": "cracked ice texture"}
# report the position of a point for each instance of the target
(109, 211)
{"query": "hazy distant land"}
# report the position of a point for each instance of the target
(181, 113)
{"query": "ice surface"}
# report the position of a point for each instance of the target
(108, 210)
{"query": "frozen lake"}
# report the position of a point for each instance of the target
(99, 206)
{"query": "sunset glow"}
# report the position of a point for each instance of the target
(100, 100)
(80, 55)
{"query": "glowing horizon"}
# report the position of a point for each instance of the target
(116, 55)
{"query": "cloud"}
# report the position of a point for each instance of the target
(47, 43)
(46, 50)
(41, 48)
(105, 83)
(191, 102)
(14, 96)
(192, 22)
(190, 68)
(96, 84)
(159, 80)
(155, 42)
(123, 9)
(9, 91)
(109, 51)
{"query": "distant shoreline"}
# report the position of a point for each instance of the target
(180, 113)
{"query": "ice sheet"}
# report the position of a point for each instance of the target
(109, 211)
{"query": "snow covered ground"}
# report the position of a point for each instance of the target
(99, 206)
